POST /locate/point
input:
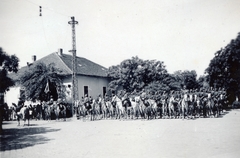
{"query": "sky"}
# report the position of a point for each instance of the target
(184, 34)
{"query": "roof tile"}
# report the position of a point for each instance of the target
(85, 66)
(64, 63)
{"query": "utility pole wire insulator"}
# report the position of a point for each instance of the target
(40, 10)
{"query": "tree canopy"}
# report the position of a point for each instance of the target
(134, 74)
(8, 64)
(35, 79)
(223, 70)
(187, 78)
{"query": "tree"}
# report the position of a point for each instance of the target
(203, 82)
(187, 78)
(8, 64)
(172, 82)
(35, 79)
(135, 74)
(224, 69)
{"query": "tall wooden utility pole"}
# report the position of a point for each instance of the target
(74, 64)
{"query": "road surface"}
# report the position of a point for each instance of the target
(161, 138)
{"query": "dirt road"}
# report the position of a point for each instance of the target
(209, 137)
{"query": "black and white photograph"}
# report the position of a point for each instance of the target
(119, 78)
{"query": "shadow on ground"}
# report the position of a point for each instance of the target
(19, 138)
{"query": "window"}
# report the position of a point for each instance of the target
(104, 91)
(85, 90)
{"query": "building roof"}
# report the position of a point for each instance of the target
(64, 63)
(84, 66)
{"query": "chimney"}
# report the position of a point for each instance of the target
(34, 58)
(60, 52)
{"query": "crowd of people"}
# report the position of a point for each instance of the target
(145, 104)
(193, 103)
(45, 110)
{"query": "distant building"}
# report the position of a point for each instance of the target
(91, 77)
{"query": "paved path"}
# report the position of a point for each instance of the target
(210, 137)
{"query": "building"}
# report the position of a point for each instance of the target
(91, 77)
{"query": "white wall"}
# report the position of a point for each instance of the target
(66, 82)
(95, 85)
(12, 96)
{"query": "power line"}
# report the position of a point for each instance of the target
(42, 15)
(47, 8)
(44, 32)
